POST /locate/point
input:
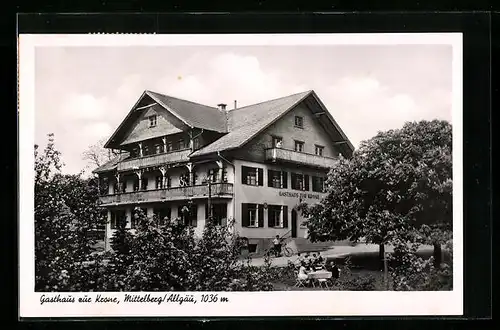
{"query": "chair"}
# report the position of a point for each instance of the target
(323, 282)
(299, 282)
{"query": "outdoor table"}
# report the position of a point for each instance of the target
(317, 275)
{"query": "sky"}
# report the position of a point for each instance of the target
(83, 93)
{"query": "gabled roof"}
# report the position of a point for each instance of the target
(247, 122)
(193, 114)
(190, 113)
(112, 164)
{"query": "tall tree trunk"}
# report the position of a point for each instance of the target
(437, 255)
(381, 255)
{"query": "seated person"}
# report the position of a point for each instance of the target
(277, 245)
(302, 275)
(320, 261)
(300, 259)
(314, 262)
(335, 270)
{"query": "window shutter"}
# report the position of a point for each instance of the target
(244, 173)
(285, 216)
(285, 180)
(294, 179)
(270, 224)
(194, 215)
(261, 176)
(270, 178)
(306, 184)
(260, 213)
(245, 221)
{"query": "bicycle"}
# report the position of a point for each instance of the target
(285, 251)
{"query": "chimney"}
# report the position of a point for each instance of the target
(222, 106)
(235, 104)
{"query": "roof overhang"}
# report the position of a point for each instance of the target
(331, 126)
(114, 142)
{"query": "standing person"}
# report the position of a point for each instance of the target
(277, 245)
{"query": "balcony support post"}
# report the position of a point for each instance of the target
(220, 164)
(164, 140)
(190, 168)
(117, 177)
(140, 149)
(163, 170)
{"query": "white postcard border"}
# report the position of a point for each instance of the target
(277, 303)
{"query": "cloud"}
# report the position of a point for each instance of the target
(361, 103)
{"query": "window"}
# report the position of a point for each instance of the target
(145, 150)
(318, 150)
(169, 146)
(224, 174)
(277, 179)
(158, 148)
(159, 182)
(299, 146)
(252, 248)
(162, 212)
(219, 213)
(318, 184)
(184, 180)
(299, 122)
(152, 121)
(189, 214)
(181, 144)
(274, 216)
(118, 218)
(277, 142)
(136, 184)
(134, 152)
(252, 176)
(196, 143)
(300, 181)
(213, 175)
(113, 221)
(252, 215)
(135, 220)
(144, 184)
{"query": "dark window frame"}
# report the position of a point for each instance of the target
(153, 121)
(299, 122)
(275, 139)
(299, 143)
(319, 148)
(274, 216)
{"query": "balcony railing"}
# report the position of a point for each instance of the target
(155, 160)
(291, 156)
(223, 190)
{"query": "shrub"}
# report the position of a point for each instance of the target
(411, 272)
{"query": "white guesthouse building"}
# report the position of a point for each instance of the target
(261, 160)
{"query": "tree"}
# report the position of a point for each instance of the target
(97, 155)
(398, 184)
(66, 210)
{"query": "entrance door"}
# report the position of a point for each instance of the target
(294, 223)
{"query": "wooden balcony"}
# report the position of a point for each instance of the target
(277, 155)
(173, 157)
(218, 190)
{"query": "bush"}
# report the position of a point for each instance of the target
(411, 272)
(166, 256)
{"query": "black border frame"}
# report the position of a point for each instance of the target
(476, 28)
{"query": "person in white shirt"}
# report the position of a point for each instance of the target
(277, 245)
(302, 272)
